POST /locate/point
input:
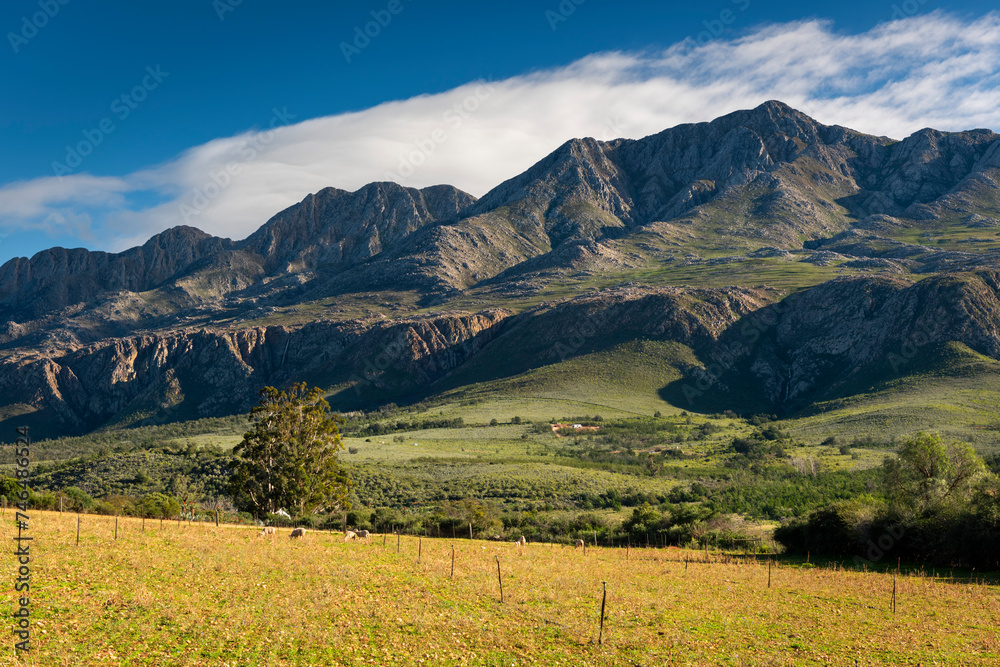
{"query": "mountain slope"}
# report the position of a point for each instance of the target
(395, 294)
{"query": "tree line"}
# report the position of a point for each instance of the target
(939, 503)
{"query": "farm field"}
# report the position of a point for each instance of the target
(204, 595)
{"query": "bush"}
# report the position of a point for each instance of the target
(158, 505)
(842, 528)
(77, 499)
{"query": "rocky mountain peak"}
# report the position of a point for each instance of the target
(339, 228)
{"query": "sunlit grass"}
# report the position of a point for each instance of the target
(201, 595)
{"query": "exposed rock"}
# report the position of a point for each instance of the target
(58, 277)
(824, 258)
(91, 337)
(217, 372)
(819, 342)
(771, 252)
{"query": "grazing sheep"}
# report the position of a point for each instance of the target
(350, 535)
(521, 541)
(298, 532)
(579, 543)
(267, 530)
(496, 537)
(363, 535)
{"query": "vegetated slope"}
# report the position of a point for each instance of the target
(620, 379)
(551, 333)
(842, 337)
(946, 387)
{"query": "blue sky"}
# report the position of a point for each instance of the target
(219, 113)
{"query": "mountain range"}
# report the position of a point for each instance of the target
(794, 263)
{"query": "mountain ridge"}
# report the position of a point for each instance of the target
(686, 236)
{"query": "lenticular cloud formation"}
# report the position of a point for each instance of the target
(927, 71)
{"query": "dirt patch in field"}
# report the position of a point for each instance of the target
(575, 429)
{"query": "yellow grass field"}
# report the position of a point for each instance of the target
(202, 595)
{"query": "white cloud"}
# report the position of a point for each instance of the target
(928, 71)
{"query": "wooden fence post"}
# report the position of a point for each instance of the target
(499, 578)
(604, 599)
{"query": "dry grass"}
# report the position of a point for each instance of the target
(201, 595)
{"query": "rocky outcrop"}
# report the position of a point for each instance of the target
(217, 372)
(332, 229)
(59, 277)
(214, 372)
(91, 337)
(337, 229)
(554, 332)
(844, 335)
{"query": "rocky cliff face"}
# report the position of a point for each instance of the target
(845, 335)
(337, 229)
(554, 332)
(216, 372)
(332, 229)
(58, 277)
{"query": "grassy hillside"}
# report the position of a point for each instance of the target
(620, 381)
(950, 389)
(197, 595)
